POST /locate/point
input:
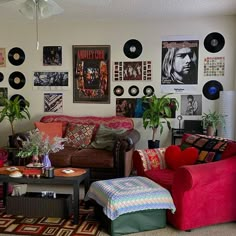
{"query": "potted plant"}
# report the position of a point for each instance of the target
(16, 109)
(211, 120)
(157, 112)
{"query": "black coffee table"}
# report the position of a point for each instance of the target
(74, 181)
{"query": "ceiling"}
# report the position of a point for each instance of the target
(126, 10)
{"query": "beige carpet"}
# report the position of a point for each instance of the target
(228, 229)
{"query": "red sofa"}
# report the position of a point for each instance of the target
(204, 194)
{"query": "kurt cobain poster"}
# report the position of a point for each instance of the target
(91, 74)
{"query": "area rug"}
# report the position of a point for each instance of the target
(20, 225)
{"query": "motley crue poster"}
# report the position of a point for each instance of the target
(91, 74)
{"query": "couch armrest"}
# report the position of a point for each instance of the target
(188, 177)
(123, 151)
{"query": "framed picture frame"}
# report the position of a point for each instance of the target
(2, 57)
(91, 73)
(52, 55)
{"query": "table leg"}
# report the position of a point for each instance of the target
(76, 202)
(5, 192)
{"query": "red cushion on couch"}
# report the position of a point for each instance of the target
(175, 157)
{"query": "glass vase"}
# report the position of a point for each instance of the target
(46, 161)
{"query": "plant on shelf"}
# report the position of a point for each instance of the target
(16, 109)
(38, 144)
(211, 120)
(157, 112)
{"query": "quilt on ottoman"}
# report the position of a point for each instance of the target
(130, 194)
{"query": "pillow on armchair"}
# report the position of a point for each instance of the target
(175, 157)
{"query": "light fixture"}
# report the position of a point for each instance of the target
(179, 118)
(39, 9)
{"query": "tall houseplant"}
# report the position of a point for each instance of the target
(156, 114)
(211, 120)
(16, 109)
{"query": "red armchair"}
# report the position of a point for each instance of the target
(203, 194)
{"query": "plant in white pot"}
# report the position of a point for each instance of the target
(156, 114)
(211, 120)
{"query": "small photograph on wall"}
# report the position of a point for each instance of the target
(3, 94)
(53, 102)
(91, 74)
(52, 55)
(191, 105)
(50, 79)
(2, 57)
(179, 72)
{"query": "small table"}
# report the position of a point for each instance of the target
(73, 179)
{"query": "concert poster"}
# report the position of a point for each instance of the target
(91, 74)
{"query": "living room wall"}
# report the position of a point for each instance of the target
(54, 32)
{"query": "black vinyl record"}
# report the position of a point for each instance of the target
(211, 89)
(17, 80)
(1, 76)
(148, 90)
(133, 90)
(214, 42)
(118, 90)
(21, 98)
(16, 56)
(132, 48)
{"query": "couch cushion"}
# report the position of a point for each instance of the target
(175, 157)
(163, 177)
(50, 129)
(230, 150)
(105, 137)
(92, 158)
(79, 135)
(210, 148)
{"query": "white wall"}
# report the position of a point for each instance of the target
(53, 33)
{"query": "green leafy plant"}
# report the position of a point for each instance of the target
(213, 119)
(157, 112)
(13, 110)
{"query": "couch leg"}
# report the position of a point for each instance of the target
(188, 230)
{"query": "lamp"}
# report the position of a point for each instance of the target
(179, 118)
(39, 9)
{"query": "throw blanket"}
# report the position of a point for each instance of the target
(130, 194)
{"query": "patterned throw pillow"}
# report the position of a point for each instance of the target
(152, 158)
(210, 148)
(79, 135)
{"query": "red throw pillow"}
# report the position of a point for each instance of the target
(175, 157)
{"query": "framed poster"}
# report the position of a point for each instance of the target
(52, 55)
(91, 74)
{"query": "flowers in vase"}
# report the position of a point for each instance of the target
(39, 144)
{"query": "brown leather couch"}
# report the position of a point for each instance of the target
(103, 164)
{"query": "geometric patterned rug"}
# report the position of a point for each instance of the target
(45, 226)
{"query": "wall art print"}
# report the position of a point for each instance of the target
(179, 72)
(52, 55)
(132, 70)
(3, 94)
(53, 102)
(191, 105)
(50, 80)
(2, 57)
(214, 66)
(91, 74)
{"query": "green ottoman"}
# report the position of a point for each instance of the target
(131, 204)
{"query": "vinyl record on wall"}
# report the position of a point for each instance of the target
(211, 89)
(133, 90)
(1, 76)
(21, 98)
(118, 90)
(148, 90)
(16, 56)
(17, 80)
(214, 42)
(132, 48)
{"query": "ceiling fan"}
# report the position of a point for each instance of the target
(37, 9)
